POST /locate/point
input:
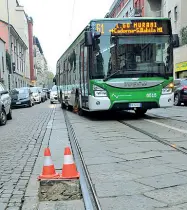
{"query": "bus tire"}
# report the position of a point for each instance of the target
(177, 100)
(140, 112)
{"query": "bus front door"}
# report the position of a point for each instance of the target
(84, 75)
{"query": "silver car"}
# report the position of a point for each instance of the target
(5, 105)
(53, 95)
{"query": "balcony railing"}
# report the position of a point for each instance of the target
(136, 12)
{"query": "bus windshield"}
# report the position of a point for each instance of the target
(132, 56)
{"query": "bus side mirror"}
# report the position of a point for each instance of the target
(88, 38)
(175, 39)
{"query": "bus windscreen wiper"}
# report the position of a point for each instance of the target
(111, 75)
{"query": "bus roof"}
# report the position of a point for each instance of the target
(114, 19)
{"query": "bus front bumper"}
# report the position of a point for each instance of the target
(166, 100)
(104, 103)
(99, 103)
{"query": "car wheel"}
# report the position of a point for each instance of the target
(3, 117)
(30, 103)
(51, 102)
(9, 115)
(177, 100)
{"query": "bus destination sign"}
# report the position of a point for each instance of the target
(133, 27)
(137, 28)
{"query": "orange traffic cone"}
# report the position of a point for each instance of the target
(69, 170)
(48, 167)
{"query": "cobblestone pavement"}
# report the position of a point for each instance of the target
(129, 169)
(20, 142)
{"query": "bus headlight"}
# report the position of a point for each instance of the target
(168, 89)
(99, 92)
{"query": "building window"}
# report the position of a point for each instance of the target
(3, 64)
(176, 13)
(169, 14)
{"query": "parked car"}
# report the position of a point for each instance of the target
(47, 92)
(53, 95)
(21, 97)
(5, 105)
(43, 94)
(36, 94)
(180, 92)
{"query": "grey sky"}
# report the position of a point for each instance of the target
(52, 22)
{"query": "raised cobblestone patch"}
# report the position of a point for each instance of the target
(59, 190)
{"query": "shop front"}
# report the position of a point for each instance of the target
(181, 70)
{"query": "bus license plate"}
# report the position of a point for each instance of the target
(135, 105)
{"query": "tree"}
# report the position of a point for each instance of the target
(48, 81)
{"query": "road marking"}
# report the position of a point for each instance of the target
(167, 126)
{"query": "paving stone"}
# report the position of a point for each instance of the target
(113, 189)
(153, 170)
(3, 195)
(2, 205)
(177, 207)
(4, 200)
(171, 196)
(163, 181)
(13, 208)
(137, 202)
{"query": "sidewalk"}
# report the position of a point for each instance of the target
(56, 137)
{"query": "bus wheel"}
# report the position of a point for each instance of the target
(140, 112)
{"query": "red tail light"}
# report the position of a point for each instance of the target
(184, 87)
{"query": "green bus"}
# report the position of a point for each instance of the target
(118, 64)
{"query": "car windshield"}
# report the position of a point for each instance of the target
(132, 56)
(34, 90)
(19, 91)
(184, 82)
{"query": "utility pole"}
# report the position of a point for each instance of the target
(10, 75)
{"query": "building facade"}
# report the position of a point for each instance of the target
(40, 63)
(17, 50)
(137, 8)
(3, 70)
(176, 11)
(23, 26)
(31, 52)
